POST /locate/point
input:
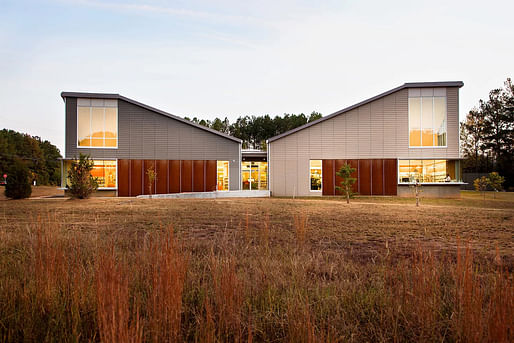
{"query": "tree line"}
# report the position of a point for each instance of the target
(255, 130)
(487, 135)
(40, 156)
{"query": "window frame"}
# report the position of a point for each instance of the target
(445, 97)
(90, 124)
(310, 184)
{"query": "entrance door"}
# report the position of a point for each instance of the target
(254, 175)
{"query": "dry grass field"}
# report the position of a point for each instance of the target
(232, 270)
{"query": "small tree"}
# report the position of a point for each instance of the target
(495, 181)
(152, 177)
(82, 183)
(480, 184)
(417, 189)
(18, 181)
(346, 184)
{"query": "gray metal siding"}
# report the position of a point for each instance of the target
(376, 130)
(144, 134)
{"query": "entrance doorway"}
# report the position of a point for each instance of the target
(254, 175)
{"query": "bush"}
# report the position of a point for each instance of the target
(82, 183)
(18, 181)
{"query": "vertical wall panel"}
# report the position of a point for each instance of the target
(186, 175)
(355, 164)
(147, 165)
(377, 177)
(338, 179)
(136, 174)
(162, 177)
(210, 175)
(198, 176)
(123, 178)
(327, 171)
(390, 177)
(365, 177)
(174, 176)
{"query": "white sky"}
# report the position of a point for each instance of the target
(232, 58)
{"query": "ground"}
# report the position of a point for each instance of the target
(268, 269)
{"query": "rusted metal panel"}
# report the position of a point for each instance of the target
(365, 177)
(390, 177)
(327, 171)
(162, 176)
(198, 176)
(148, 164)
(186, 176)
(174, 176)
(355, 164)
(123, 178)
(136, 177)
(377, 177)
(338, 179)
(210, 175)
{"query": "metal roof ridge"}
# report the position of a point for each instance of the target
(148, 107)
(364, 102)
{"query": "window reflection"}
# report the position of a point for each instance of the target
(427, 121)
(97, 126)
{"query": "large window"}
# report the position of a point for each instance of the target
(315, 174)
(428, 171)
(105, 172)
(97, 123)
(427, 121)
(254, 175)
(222, 176)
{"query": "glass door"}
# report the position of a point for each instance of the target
(254, 175)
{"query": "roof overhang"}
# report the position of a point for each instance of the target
(65, 95)
(347, 109)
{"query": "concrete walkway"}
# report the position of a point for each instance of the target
(210, 195)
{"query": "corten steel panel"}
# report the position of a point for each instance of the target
(186, 176)
(365, 177)
(390, 177)
(354, 164)
(162, 176)
(123, 178)
(149, 164)
(136, 177)
(327, 181)
(198, 176)
(338, 179)
(174, 176)
(377, 177)
(210, 175)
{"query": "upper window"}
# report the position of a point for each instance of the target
(97, 123)
(315, 174)
(427, 118)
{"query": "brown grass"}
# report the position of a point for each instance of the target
(254, 270)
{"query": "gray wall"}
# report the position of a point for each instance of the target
(376, 130)
(143, 134)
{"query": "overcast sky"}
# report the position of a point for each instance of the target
(232, 58)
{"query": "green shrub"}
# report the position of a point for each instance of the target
(82, 183)
(18, 181)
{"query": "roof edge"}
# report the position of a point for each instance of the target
(150, 108)
(364, 102)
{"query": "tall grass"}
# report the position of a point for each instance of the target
(59, 284)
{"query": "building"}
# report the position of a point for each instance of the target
(406, 134)
(126, 138)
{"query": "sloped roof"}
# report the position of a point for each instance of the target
(347, 109)
(150, 108)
